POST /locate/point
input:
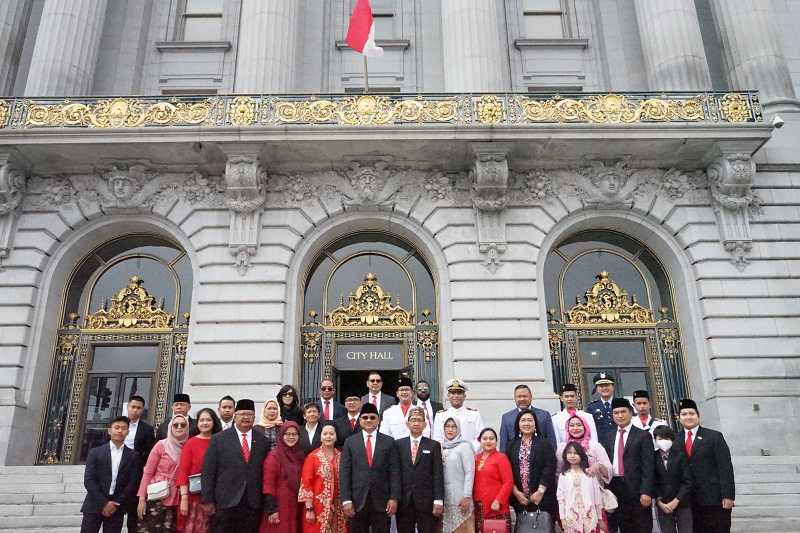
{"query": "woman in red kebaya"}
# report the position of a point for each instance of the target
(281, 482)
(493, 482)
(191, 516)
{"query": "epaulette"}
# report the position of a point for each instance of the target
(471, 409)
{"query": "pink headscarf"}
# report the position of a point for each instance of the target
(583, 440)
(172, 444)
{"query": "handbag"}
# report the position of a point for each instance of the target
(610, 502)
(194, 484)
(494, 525)
(158, 490)
(534, 521)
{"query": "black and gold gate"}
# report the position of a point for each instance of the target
(131, 345)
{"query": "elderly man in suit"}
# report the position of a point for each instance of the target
(329, 408)
(348, 425)
(369, 475)
(712, 471)
(232, 474)
(523, 397)
(422, 478)
(631, 452)
(181, 405)
(140, 439)
(111, 478)
(374, 394)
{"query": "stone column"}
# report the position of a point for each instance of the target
(473, 57)
(67, 43)
(267, 46)
(751, 42)
(672, 45)
(13, 25)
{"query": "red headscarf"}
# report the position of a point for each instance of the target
(582, 440)
(290, 458)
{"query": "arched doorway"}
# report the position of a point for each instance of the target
(371, 304)
(122, 330)
(610, 307)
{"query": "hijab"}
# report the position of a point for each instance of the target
(172, 444)
(458, 439)
(266, 422)
(290, 458)
(582, 440)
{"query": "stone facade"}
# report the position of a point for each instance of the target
(253, 200)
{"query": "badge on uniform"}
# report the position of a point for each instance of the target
(426, 451)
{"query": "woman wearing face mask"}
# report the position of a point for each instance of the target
(192, 518)
(270, 422)
(673, 486)
(599, 464)
(162, 465)
(281, 483)
(493, 481)
(319, 487)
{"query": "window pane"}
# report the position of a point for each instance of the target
(203, 6)
(350, 275)
(610, 353)
(184, 270)
(541, 5)
(543, 27)
(124, 358)
(102, 399)
(140, 386)
(202, 28)
(157, 280)
(582, 274)
(384, 27)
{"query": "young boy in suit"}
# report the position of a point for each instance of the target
(673, 483)
(111, 479)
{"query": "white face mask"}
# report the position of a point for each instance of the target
(664, 444)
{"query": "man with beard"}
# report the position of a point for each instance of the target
(429, 406)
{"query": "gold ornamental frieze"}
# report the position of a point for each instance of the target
(606, 303)
(343, 110)
(370, 307)
(131, 308)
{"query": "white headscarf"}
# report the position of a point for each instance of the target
(455, 441)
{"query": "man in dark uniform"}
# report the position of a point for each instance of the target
(348, 425)
(600, 409)
(712, 471)
(181, 405)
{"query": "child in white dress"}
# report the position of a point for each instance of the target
(580, 496)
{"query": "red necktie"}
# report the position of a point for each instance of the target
(688, 443)
(245, 448)
(621, 453)
(353, 423)
(414, 448)
(327, 410)
(369, 449)
(375, 400)
(571, 411)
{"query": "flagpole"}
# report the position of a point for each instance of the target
(366, 76)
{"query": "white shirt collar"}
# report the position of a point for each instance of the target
(626, 428)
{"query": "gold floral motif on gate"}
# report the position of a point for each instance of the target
(612, 109)
(608, 303)
(366, 110)
(735, 108)
(119, 113)
(370, 307)
(132, 307)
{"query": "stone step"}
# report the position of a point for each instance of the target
(771, 525)
(784, 476)
(757, 500)
(752, 511)
(59, 509)
(768, 488)
(7, 509)
(59, 469)
(58, 497)
(16, 523)
(766, 460)
(66, 529)
(17, 488)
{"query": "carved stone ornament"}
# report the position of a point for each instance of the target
(607, 303)
(369, 184)
(245, 195)
(12, 190)
(489, 198)
(730, 180)
(131, 308)
(369, 307)
(607, 185)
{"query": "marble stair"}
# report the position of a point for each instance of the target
(767, 494)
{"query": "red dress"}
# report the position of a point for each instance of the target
(493, 481)
(194, 451)
(319, 484)
(289, 510)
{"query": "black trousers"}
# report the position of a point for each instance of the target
(92, 522)
(239, 519)
(409, 517)
(133, 516)
(370, 517)
(711, 519)
(630, 516)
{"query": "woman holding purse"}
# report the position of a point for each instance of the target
(192, 518)
(158, 493)
(533, 463)
(493, 483)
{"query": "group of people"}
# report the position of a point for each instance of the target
(376, 463)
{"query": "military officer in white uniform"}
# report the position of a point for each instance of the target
(470, 419)
(644, 420)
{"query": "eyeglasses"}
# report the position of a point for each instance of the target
(326, 388)
(178, 425)
(375, 380)
(288, 394)
(369, 417)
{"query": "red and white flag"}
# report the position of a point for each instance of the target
(361, 33)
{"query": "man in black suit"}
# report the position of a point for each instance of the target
(712, 472)
(111, 479)
(312, 430)
(423, 391)
(673, 483)
(141, 439)
(422, 478)
(631, 452)
(369, 476)
(181, 405)
(232, 473)
(348, 424)
(374, 394)
(329, 408)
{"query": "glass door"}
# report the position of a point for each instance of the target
(626, 359)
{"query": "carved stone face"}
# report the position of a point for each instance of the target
(122, 187)
(609, 184)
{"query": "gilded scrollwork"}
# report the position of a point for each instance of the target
(119, 113)
(132, 307)
(607, 303)
(370, 307)
(735, 108)
(612, 109)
